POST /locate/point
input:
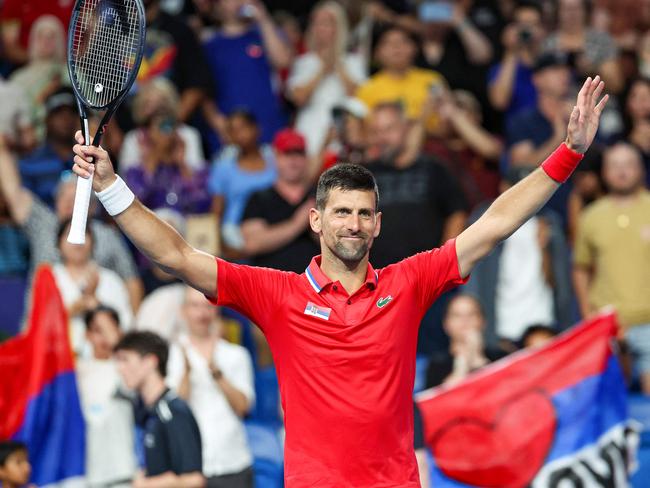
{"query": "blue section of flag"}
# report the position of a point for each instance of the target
(53, 429)
(589, 409)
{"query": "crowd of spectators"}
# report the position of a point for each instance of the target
(240, 105)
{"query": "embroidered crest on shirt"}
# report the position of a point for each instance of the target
(383, 301)
(316, 311)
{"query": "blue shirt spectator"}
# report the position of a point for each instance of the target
(250, 86)
(523, 95)
(236, 185)
(42, 169)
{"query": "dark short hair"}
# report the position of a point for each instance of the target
(345, 177)
(532, 5)
(396, 106)
(91, 314)
(145, 343)
(471, 296)
(7, 448)
(245, 114)
(391, 27)
(531, 330)
(63, 227)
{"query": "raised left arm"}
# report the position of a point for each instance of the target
(522, 201)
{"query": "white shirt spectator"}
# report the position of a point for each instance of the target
(315, 117)
(111, 292)
(225, 448)
(110, 456)
(523, 296)
(131, 154)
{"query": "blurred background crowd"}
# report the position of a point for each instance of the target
(240, 105)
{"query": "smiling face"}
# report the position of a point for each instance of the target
(347, 224)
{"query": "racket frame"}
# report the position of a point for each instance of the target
(77, 234)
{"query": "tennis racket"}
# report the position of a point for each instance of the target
(105, 48)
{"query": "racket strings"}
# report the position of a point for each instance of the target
(104, 48)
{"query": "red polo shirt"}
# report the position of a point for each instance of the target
(345, 364)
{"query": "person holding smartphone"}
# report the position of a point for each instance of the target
(510, 82)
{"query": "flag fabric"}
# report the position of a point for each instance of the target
(39, 402)
(540, 418)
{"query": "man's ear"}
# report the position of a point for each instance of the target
(377, 225)
(315, 221)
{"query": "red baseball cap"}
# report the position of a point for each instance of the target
(289, 140)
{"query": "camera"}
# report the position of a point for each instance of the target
(525, 36)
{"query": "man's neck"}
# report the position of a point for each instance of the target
(397, 72)
(152, 389)
(624, 199)
(233, 27)
(351, 275)
(292, 192)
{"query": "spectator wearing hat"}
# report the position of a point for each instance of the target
(526, 279)
(324, 75)
(346, 140)
(275, 225)
(41, 169)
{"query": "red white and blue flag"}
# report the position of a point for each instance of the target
(550, 417)
(39, 403)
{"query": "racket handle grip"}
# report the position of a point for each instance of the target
(77, 234)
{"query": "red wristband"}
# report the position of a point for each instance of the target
(561, 163)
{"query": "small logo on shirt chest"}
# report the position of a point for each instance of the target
(317, 311)
(383, 301)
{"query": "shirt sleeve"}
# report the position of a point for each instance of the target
(433, 272)
(184, 442)
(41, 228)
(583, 252)
(175, 367)
(304, 69)
(254, 208)
(217, 180)
(517, 131)
(253, 291)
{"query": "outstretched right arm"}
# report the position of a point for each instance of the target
(155, 238)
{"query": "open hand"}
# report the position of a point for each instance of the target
(91, 160)
(585, 116)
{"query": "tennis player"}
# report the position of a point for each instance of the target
(343, 334)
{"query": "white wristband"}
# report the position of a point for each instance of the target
(116, 198)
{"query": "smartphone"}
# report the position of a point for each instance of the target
(435, 11)
(247, 11)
